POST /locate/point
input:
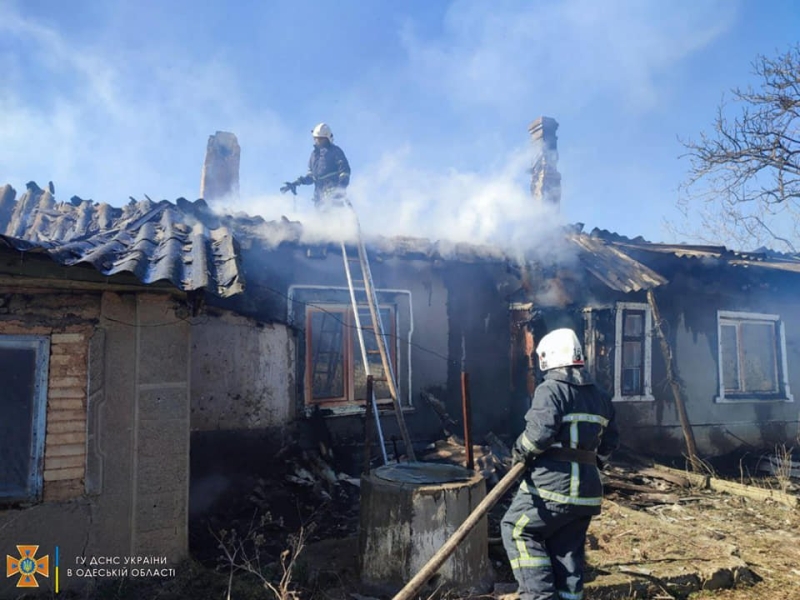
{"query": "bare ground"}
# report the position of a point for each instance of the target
(655, 539)
(673, 542)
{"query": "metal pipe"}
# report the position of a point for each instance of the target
(467, 412)
(368, 428)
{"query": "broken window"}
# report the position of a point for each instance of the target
(23, 401)
(633, 352)
(751, 357)
(334, 363)
(599, 326)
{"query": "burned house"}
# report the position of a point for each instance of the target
(160, 349)
(138, 355)
(717, 334)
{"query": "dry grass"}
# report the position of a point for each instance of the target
(242, 554)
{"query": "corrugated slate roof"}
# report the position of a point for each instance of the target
(612, 266)
(761, 258)
(194, 248)
(153, 241)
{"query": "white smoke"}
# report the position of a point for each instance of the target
(394, 198)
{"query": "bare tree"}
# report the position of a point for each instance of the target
(745, 176)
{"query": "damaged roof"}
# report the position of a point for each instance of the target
(153, 241)
(761, 258)
(196, 248)
(185, 243)
(612, 266)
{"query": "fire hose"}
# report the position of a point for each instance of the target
(438, 559)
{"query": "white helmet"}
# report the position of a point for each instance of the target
(560, 348)
(322, 130)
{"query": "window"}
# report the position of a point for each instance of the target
(633, 352)
(752, 357)
(334, 364)
(23, 401)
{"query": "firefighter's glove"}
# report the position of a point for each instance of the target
(520, 454)
(290, 186)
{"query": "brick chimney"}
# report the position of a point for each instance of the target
(220, 175)
(545, 178)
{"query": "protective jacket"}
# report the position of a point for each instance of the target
(329, 171)
(567, 411)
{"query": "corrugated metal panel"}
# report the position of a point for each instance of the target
(153, 241)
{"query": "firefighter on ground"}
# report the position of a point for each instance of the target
(328, 170)
(569, 434)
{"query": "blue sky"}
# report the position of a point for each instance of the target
(429, 99)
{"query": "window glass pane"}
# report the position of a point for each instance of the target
(633, 324)
(17, 382)
(632, 382)
(327, 354)
(730, 358)
(631, 354)
(373, 355)
(758, 357)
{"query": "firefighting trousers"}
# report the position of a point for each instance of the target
(330, 197)
(546, 549)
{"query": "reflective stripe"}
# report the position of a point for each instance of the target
(586, 418)
(537, 562)
(525, 560)
(561, 498)
(529, 445)
(574, 475)
(516, 535)
(570, 595)
(574, 480)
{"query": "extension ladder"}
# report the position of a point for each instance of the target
(381, 341)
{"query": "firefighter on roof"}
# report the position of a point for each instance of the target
(570, 431)
(328, 170)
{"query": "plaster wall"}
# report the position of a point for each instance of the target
(690, 320)
(242, 374)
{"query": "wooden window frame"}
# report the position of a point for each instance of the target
(351, 354)
(736, 319)
(623, 308)
(35, 478)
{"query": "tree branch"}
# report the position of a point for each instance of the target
(749, 165)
